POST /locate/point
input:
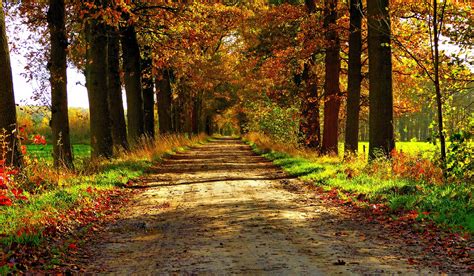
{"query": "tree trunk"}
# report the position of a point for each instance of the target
(309, 125)
(439, 99)
(208, 128)
(96, 76)
(7, 102)
(332, 100)
(114, 88)
(381, 140)
(187, 115)
(196, 113)
(133, 84)
(148, 95)
(163, 96)
(354, 77)
(58, 77)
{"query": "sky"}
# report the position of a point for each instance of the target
(77, 92)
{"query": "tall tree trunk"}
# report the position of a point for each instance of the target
(114, 88)
(309, 125)
(439, 98)
(7, 101)
(332, 100)
(208, 126)
(354, 77)
(96, 76)
(196, 113)
(381, 140)
(187, 115)
(133, 84)
(163, 96)
(58, 77)
(148, 94)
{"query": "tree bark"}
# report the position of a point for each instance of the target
(309, 125)
(354, 77)
(114, 88)
(131, 66)
(197, 113)
(7, 102)
(163, 96)
(332, 100)
(148, 95)
(381, 140)
(96, 76)
(439, 98)
(58, 77)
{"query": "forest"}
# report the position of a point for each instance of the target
(237, 137)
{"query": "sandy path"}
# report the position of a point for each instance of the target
(220, 209)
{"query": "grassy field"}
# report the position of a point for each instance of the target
(424, 148)
(46, 152)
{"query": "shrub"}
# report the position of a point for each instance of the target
(460, 158)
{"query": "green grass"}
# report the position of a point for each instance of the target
(46, 152)
(56, 201)
(448, 205)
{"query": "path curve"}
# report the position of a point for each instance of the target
(221, 209)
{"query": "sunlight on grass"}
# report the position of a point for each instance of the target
(447, 204)
(45, 152)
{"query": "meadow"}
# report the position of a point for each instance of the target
(45, 152)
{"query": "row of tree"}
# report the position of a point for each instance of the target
(206, 60)
(100, 38)
(354, 44)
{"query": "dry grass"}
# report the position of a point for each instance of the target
(38, 176)
(152, 150)
(265, 143)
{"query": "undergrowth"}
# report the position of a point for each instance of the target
(407, 182)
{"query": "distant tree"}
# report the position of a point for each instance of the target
(381, 139)
(58, 77)
(7, 99)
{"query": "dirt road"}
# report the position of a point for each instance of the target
(221, 209)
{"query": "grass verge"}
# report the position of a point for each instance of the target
(87, 189)
(448, 205)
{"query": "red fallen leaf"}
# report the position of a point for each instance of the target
(72, 246)
(89, 190)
